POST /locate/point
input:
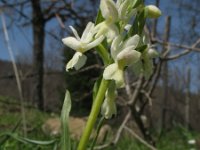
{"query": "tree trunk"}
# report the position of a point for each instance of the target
(38, 26)
(187, 99)
(165, 103)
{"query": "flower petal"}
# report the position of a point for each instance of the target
(132, 41)
(116, 46)
(112, 72)
(128, 27)
(94, 43)
(75, 32)
(73, 43)
(100, 29)
(88, 33)
(112, 32)
(109, 10)
(128, 56)
(77, 61)
(123, 9)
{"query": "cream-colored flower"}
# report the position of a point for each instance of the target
(107, 29)
(123, 54)
(81, 45)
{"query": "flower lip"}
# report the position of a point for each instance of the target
(113, 72)
(77, 61)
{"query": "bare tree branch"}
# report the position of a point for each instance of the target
(117, 136)
(177, 45)
(132, 101)
(139, 138)
(185, 52)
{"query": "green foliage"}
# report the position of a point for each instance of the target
(65, 140)
(11, 137)
(175, 139)
(80, 84)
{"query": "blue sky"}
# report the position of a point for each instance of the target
(21, 38)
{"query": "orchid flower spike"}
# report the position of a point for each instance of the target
(81, 45)
(124, 54)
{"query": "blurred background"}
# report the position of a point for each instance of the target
(164, 109)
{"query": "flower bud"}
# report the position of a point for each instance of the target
(108, 108)
(152, 11)
(152, 53)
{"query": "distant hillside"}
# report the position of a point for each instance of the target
(53, 83)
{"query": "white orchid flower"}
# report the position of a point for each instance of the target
(107, 27)
(124, 54)
(81, 45)
(108, 108)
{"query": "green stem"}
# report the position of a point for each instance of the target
(102, 51)
(93, 115)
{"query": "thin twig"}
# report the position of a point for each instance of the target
(96, 66)
(127, 86)
(117, 136)
(185, 52)
(139, 138)
(19, 86)
(178, 45)
(156, 77)
(136, 91)
(119, 131)
(146, 94)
